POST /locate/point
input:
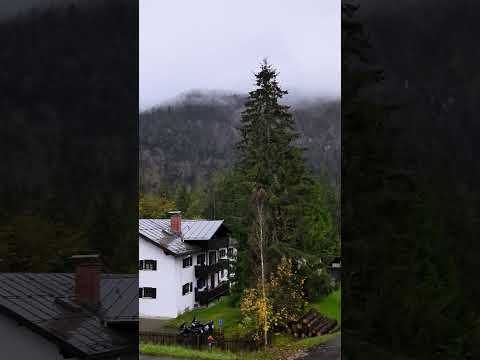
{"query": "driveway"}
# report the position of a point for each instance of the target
(330, 350)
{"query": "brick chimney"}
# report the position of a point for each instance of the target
(87, 279)
(176, 222)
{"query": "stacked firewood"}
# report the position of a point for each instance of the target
(312, 323)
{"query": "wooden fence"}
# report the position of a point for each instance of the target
(200, 341)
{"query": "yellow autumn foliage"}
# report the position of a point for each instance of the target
(284, 302)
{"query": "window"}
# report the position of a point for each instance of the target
(149, 292)
(187, 288)
(147, 264)
(201, 259)
(212, 257)
(230, 252)
(201, 283)
(223, 253)
(187, 262)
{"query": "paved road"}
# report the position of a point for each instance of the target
(330, 350)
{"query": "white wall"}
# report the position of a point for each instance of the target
(168, 279)
(163, 279)
(20, 343)
(183, 276)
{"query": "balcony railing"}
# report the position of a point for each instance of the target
(206, 296)
(202, 271)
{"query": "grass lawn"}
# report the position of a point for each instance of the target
(283, 347)
(282, 344)
(182, 352)
(229, 315)
(330, 306)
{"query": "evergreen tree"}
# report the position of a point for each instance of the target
(296, 210)
(182, 198)
(321, 233)
(198, 202)
(151, 206)
(269, 158)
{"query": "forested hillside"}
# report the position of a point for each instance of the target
(69, 136)
(187, 140)
(418, 229)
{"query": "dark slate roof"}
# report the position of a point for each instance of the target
(158, 231)
(45, 302)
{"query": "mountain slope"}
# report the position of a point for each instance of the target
(195, 136)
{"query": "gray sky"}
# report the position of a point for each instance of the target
(218, 44)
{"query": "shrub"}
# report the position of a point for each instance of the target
(318, 284)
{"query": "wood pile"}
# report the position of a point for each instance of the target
(312, 323)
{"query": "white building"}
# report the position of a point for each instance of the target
(183, 264)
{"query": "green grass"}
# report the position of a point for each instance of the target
(316, 340)
(330, 306)
(229, 315)
(282, 344)
(186, 353)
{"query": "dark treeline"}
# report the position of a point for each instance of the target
(68, 144)
(186, 141)
(410, 210)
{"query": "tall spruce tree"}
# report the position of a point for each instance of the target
(269, 159)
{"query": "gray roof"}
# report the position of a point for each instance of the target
(158, 231)
(45, 302)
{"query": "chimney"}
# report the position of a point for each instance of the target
(87, 279)
(176, 222)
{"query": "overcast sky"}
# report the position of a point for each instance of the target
(218, 44)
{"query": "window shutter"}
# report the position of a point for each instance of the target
(191, 287)
(140, 292)
(154, 264)
(154, 293)
(140, 264)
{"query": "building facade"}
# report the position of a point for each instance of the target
(183, 264)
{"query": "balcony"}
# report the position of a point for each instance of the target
(207, 296)
(202, 271)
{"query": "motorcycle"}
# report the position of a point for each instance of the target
(185, 330)
(196, 328)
